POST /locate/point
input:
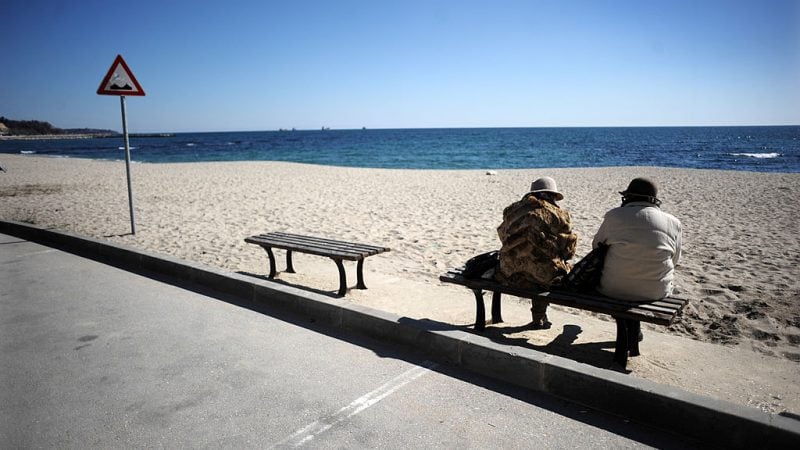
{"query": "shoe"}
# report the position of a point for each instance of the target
(541, 325)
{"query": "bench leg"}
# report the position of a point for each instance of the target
(634, 326)
(272, 270)
(621, 346)
(289, 266)
(342, 278)
(627, 341)
(360, 275)
(480, 310)
(497, 317)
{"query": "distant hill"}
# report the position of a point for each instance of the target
(89, 131)
(36, 127)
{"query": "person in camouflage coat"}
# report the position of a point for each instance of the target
(537, 243)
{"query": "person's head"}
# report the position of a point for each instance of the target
(545, 189)
(641, 190)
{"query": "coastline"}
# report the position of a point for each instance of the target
(69, 136)
(738, 265)
(48, 137)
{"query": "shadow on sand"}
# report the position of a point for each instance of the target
(597, 354)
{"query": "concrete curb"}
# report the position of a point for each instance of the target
(709, 420)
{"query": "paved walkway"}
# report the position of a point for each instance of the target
(96, 357)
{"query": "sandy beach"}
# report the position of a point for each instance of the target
(738, 340)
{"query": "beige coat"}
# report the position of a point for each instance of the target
(644, 248)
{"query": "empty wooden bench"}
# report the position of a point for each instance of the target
(336, 250)
(628, 315)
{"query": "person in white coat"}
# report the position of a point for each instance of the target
(644, 246)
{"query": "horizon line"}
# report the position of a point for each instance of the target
(289, 130)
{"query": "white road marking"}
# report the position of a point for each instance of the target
(36, 253)
(308, 432)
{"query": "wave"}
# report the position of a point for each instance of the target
(123, 148)
(27, 152)
(191, 144)
(757, 155)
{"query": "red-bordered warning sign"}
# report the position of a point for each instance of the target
(120, 80)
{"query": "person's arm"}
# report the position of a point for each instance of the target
(601, 235)
(677, 255)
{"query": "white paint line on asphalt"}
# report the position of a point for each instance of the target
(36, 253)
(308, 432)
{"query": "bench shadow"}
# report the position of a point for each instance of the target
(563, 345)
(118, 235)
(331, 293)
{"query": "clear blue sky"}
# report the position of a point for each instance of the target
(261, 65)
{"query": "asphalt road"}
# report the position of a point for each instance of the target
(95, 357)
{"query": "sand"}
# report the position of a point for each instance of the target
(738, 340)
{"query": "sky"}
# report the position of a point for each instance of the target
(265, 65)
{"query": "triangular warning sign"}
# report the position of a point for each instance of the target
(120, 80)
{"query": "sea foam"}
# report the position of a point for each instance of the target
(757, 155)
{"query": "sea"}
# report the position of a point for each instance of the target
(758, 148)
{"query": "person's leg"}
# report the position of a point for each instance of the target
(539, 315)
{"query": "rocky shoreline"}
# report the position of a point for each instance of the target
(42, 137)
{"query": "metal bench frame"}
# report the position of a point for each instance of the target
(336, 250)
(628, 315)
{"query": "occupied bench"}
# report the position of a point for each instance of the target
(628, 315)
(336, 250)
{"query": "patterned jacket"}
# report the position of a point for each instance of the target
(537, 241)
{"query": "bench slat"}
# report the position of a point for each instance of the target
(487, 285)
(668, 308)
(325, 241)
(316, 246)
(663, 304)
(677, 301)
(656, 308)
(304, 240)
(299, 241)
(615, 309)
(353, 245)
(305, 249)
(306, 246)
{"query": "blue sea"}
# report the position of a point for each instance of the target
(762, 149)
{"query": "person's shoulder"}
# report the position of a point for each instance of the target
(674, 219)
(523, 204)
(671, 219)
(616, 211)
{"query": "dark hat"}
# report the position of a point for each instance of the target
(642, 187)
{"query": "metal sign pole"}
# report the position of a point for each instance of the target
(127, 162)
